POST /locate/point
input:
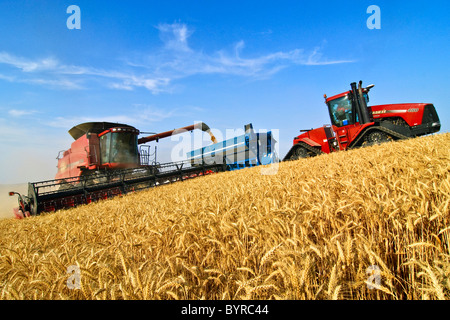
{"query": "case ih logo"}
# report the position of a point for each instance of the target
(395, 111)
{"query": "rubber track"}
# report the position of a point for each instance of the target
(355, 143)
(306, 146)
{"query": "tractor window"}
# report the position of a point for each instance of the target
(341, 111)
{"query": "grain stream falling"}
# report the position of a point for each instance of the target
(311, 231)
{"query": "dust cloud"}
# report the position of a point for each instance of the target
(7, 203)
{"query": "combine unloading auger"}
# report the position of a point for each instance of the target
(200, 126)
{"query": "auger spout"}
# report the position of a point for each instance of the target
(200, 126)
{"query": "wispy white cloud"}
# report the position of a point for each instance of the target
(6, 78)
(175, 36)
(53, 82)
(37, 73)
(27, 65)
(156, 72)
(315, 58)
(54, 74)
(155, 85)
(119, 79)
(120, 86)
(62, 83)
(20, 113)
(178, 60)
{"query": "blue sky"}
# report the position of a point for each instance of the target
(160, 65)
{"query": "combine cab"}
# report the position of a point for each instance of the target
(99, 146)
(354, 124)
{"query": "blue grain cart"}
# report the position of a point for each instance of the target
(248, 150)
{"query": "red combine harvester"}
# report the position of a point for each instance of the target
(355, 125)
(105, 161)
(102, 146)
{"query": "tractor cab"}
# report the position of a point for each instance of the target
(343, 111)
(349, 112)
(343, 108)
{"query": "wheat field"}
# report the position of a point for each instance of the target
(371, 223)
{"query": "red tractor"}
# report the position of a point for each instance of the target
(354, 124)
